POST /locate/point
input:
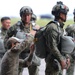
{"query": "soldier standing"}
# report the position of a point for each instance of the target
(19, 30)
(5, 24)
(70, 29)
(33, 22)
(55, 60)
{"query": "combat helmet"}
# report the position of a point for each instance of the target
(33, 20)
(59, 8)
(33, 17)
(25, 10)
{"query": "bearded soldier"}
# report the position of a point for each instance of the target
(54, 59)
(5, 24)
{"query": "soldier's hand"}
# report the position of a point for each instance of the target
(33, 32)
(37, 27)
(68, 63)
(63, 64)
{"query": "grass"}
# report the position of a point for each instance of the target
(68, 22)
(14, 20)
(41, 22)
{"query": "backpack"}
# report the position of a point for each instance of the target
(40, 41)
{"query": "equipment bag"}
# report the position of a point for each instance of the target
(67, 44)
(40, 41)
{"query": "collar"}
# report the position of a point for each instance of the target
(24, 25)
(59, 23)
(3, 29)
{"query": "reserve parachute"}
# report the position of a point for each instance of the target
(67, 44)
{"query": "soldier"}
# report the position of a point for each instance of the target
(70, 29)
(33, 19)
(33, 22)
(19, 30)
(5, 22)
(55, 61)
(10, 64)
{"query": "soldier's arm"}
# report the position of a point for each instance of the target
(9, 34)
(52, 36)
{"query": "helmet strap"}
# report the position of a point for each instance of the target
(64, 20)
(58, 17)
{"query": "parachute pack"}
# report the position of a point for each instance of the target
(40, 44)
(67, 45)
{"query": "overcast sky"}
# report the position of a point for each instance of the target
(12, 7)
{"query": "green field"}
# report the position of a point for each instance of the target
(41, 22)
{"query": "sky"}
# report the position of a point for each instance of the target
(12, 7)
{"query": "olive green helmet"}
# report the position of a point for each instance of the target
(59, 8)
(34, 17)
(26, 10)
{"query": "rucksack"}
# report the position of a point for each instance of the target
(40, 41)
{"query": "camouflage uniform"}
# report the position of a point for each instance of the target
(53, 33)
(3, 32)
(10, 64)
(2, 35)
(19, 30)
(2, 49)
(71, 32)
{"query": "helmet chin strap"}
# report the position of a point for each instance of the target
(64, 20)
(58, 17)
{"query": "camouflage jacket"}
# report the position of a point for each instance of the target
(19, 26)
(10, 61)
(13, 31)
(2, 35)
(52, 35)
(3, 32)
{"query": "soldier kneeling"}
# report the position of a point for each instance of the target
(10, 61)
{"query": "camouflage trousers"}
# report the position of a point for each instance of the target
(52, 66)
(70, 71)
